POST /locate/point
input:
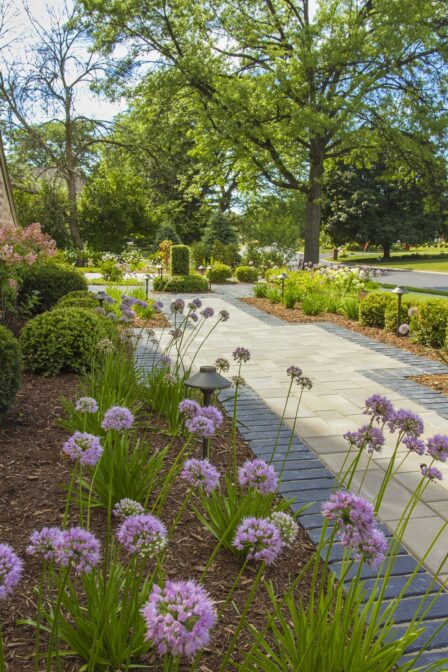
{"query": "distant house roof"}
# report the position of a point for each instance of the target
(8, 214)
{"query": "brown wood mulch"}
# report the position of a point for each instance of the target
(437, 382)
(32, 496)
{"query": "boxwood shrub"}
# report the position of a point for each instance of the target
(10, 369)
(246, 274)
(391, 313)
(79, 299)
(181, 283)
(219, 272)
(180, 260)
(429, 324)
(64, 339)
(372, 309)
(51, 281)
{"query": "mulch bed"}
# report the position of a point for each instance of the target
(437, 382)
(32, 496)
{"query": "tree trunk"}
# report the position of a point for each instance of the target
(71, 181)
(335, 253)
(386, 250)
(314, 202)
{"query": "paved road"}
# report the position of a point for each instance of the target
(422, 279)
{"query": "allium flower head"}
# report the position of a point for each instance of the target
(169, 379)
(84, 447)
(201, 474)
(437, 447)
(372, 548)
(79, 549)
(294, 372)
(353, 516)
(379, 407)
(197, 303)
(241, 355)
(201, 426)
(224, 315)
(366, 437)
(143, 534)
(189, 407)
(43, 542)
(213, 414)
(238, 381)
(406, 421)
(105, 345)
(165, 360)
(112, 316)
(414, 445)
(432, 473)
(127, 507)
(304, 382)
(11, 567)
(194, 317)
(207, 312)
(118, 418)
(413, 310)
(259, 475)
(177, 306)
(176, 334)
(86, 405)
(222, 365)
(286, 525)
(158, 306)
(404, 329)
(179, 618)
(259, 539)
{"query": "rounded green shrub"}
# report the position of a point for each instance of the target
(10, 370)
(50, 282)
(429, 324)
(79, 299)
(219, 272)
(180, 260)
(372, 309)
(64, 339)
(181, 283)
(246, 274)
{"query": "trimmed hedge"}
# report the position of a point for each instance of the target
(246, 274)
(181, 283)
(180, 260)
(429, 325)
(219, 272)
(10, 370)
(79, 299)
(372, 309)
(51, 282)
(64, 339)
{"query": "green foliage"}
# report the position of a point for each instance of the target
(429, 325)
(110, 270)
(64, 340)
(51, 281)
(272, 274)
(260, 290)
(46, 202)
(246, 274)
(292, 296)
(166, 232)
(226, 253)
(220, 272)
(80, 298)
(10, 370)
(180, 260)
(349, 307)
(314, 303)
(181, 283)
(391, 313)
(372, 309)
(164, 395)
(273, 294)
(219, 228)
(275, 219)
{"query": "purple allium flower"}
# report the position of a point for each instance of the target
(127, 507)
(118, 418)
(259, 539)
(189, 407)
(86, 405)
(194, 317)
(353, 516)
(379, 407)
(406, 421)
(177, 306)
(79, 549)
(201, 474)
(84, 447)
(241, 355)
(404, 329)
(166, 360)
(213, 414)
(201, 426)
(112, 316)
(414, 445)
(108, 299)
(224, 315)
(197, 303)
(175, 334)
(43, 542)
(294, 372)
(437, 447)
(143, 534)
(432, 473)
(179, 618)
(259, 475)
(158, 306)
(370, 438)
(207, 312)
(286, 525)
(222, 365)
(140, 303)
(372, 548)
(11, 567)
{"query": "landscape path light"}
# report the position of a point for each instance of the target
(210, 269)
(201, 269)
(399, 291)
(160, 270)
(208, 381)
(101, 297)
(147, 279)
(282, 277)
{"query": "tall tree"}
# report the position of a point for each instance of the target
(287, 90)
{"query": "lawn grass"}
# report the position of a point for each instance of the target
(429, 259)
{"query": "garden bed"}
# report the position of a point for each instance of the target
(437, 382)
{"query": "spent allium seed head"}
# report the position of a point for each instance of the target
(78, 549)
(43, 542)
(207, 312)
(224, 315)
(197, 303)
(222, 365)
(118, 418)
(294, 372)
(200, 474)
(213, 414)
(353, 516)
(100, 311)
(166, 360)
(177, 306)
(127, 507)
(404, 329)
(432, 473)
(11, 567)
(379, 407)
(259, 475)
(437, 447)
(169, 379)
(179, 618)
(201, 426)
(189, 407)
(413, 310)
(406, 421)
(414, 445)
(86, 405)
(372, 548)
(175, 334)
(366, 437)
(238, 381)
(143, 534)
(105, 345)
(286, 525)
(241, 355)
(158, 306)
(84, 447)
(259, 539)
(112, 316)
(194, 317)
(304, 382)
